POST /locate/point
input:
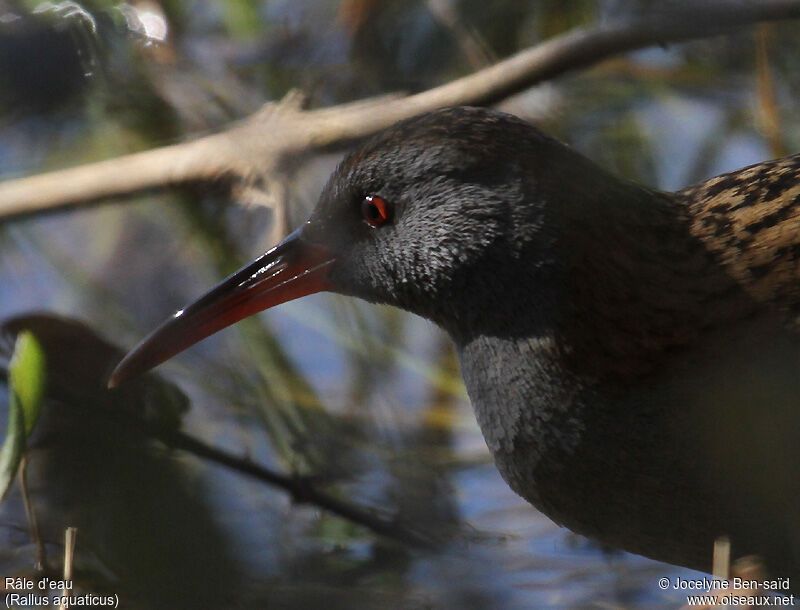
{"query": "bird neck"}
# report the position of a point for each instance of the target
(637, 287)
(604, 303)
(612, 279)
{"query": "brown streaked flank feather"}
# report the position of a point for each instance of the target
(750, 219)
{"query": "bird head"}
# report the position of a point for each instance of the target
(417, 217)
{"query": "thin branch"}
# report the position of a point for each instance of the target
(30, 512)
(261, 143)
(301, 490)
(69, 559)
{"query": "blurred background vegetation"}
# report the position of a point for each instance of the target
(366, 401)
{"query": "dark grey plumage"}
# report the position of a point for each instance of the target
(633, 375)
(629, 352)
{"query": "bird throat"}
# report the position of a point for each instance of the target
(632, 292)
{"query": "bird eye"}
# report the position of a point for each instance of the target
(375, 210)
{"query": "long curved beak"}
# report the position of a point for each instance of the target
(290, 270)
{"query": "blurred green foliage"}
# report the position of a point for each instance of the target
(26, 383)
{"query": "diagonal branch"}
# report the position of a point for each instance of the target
(258, 145)
(301, 490)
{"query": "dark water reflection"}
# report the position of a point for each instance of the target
(366, 400)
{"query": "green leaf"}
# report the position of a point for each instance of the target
(26, 389)
(13, 447)
(26, 376)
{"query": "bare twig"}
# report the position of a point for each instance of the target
(260, 144)
(722, 558)
(69, 557)
(767, 102)
(300, 489)
(30, 512)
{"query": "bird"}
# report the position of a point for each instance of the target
(630, 354)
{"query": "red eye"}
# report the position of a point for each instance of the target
(375, 210)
